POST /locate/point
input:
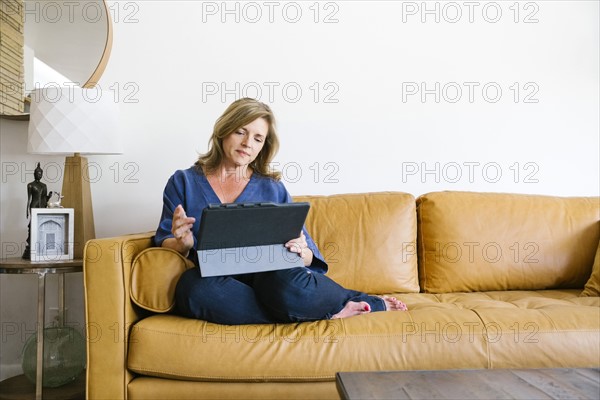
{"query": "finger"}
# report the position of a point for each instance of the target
(293, 247)
(186, 229)
(185, 221)
(301, 241)
(181, 229)
(177, 211)
(178, 227)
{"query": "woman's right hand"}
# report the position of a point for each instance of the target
(181, 228)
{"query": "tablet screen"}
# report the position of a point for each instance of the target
(250, 224)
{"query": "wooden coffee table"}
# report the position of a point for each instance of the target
(471, 384)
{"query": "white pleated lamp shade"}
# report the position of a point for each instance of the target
(67, 120)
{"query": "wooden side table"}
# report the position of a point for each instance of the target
(41, 268)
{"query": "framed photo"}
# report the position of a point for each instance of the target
(51, 234)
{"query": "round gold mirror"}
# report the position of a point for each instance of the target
(65, 43)
(72, 38)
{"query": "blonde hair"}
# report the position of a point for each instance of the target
(240, 113)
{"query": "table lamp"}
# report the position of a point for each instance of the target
(74, 121)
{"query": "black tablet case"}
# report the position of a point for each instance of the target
(249, 237)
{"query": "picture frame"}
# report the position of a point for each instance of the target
(52, 234)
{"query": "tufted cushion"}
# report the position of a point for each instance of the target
(154, 275)
(592, 287)
(492, 241)
(528, 329)
(368, 240)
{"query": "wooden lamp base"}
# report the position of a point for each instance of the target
(77, 195)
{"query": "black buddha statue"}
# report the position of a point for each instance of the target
(37, 197)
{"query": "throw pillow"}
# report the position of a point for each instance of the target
(592, 287)
(154, 275)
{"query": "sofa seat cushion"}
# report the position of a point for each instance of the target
(500, 299)
(530, 329)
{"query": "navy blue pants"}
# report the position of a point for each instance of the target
(288, 295)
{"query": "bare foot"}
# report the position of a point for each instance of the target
(393, 304)
(353, 308)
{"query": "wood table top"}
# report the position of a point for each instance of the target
(471, 384)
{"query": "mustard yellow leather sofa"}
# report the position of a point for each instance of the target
(491, 281)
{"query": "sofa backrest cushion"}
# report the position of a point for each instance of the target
(493, 241)
(154, 275)
(368, 240)
(592, 287)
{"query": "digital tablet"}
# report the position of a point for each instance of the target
(249, 237)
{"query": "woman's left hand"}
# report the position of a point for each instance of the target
(300, 247)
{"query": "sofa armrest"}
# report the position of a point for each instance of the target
(109, 312)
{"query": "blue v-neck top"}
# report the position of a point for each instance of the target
(191, 189)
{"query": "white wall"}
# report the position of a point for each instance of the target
(365, 132)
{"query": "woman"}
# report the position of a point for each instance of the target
(236, 169)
